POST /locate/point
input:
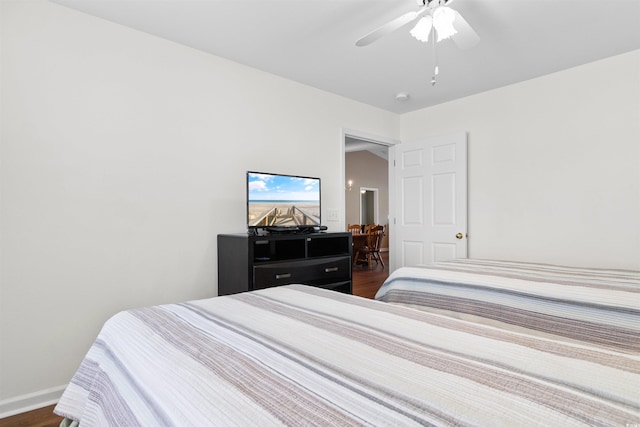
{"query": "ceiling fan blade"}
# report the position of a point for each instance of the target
(465, 38)
(389, 27)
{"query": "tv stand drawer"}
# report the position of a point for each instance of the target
(311, 271)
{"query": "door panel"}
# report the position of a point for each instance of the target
(412, 253)
(444, 251)
(413, 201)
(443, 190)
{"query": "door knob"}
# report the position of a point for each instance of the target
(459, 236)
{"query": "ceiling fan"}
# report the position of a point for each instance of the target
(437, 18)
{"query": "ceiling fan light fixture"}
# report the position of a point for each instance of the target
(422, 29)
(443, 18)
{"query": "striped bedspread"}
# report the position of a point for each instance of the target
(598, 306)
(298, 355)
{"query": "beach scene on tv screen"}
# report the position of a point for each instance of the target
(282, 201)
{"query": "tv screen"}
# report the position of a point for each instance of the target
(282, 201)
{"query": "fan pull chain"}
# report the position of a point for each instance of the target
(436, 71)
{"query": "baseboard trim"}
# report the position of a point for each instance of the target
(29, 402)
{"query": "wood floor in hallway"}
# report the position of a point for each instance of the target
(366, 280)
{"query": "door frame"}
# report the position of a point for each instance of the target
(390, 143)
(366, 137)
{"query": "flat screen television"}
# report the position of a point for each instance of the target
(279, 202)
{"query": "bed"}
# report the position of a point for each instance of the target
(459, 343)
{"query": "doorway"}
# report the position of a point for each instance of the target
(369, 206)
(443, 150)
(367, 183)
(366, 179)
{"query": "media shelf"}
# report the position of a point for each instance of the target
(247, 262)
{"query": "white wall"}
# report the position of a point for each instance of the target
(122, 157)
(554, 165)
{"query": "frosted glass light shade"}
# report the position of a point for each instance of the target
(423, 28)
(443, 18)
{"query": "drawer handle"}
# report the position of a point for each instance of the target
(283, 276)
(330, 269)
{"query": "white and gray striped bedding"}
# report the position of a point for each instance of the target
(599, 306)
(299, 355)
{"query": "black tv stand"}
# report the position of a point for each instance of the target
(250, 262)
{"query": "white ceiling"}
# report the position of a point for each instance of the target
(313, 41)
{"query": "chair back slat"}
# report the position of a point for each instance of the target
(354, 228)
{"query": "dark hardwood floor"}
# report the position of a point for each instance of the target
(43, 417)
(366, 280)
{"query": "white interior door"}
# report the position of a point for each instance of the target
(429, 201)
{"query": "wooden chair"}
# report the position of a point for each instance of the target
(354, 228)
(371, 250)
(376, 251)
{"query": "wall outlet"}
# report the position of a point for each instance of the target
(332, 215)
